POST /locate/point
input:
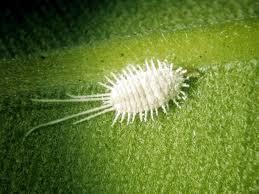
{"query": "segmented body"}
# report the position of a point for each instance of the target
(138, 91)
(135, 91)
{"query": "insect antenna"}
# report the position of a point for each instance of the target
(66, 118)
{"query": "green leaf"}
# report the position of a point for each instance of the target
(209, 145)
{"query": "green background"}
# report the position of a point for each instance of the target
(209, 145)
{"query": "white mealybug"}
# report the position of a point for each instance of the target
(134, 91)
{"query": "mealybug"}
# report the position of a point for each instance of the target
(134, 91)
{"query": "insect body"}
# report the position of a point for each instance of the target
(134, 91)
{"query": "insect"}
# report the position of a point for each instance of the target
(135, 91)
